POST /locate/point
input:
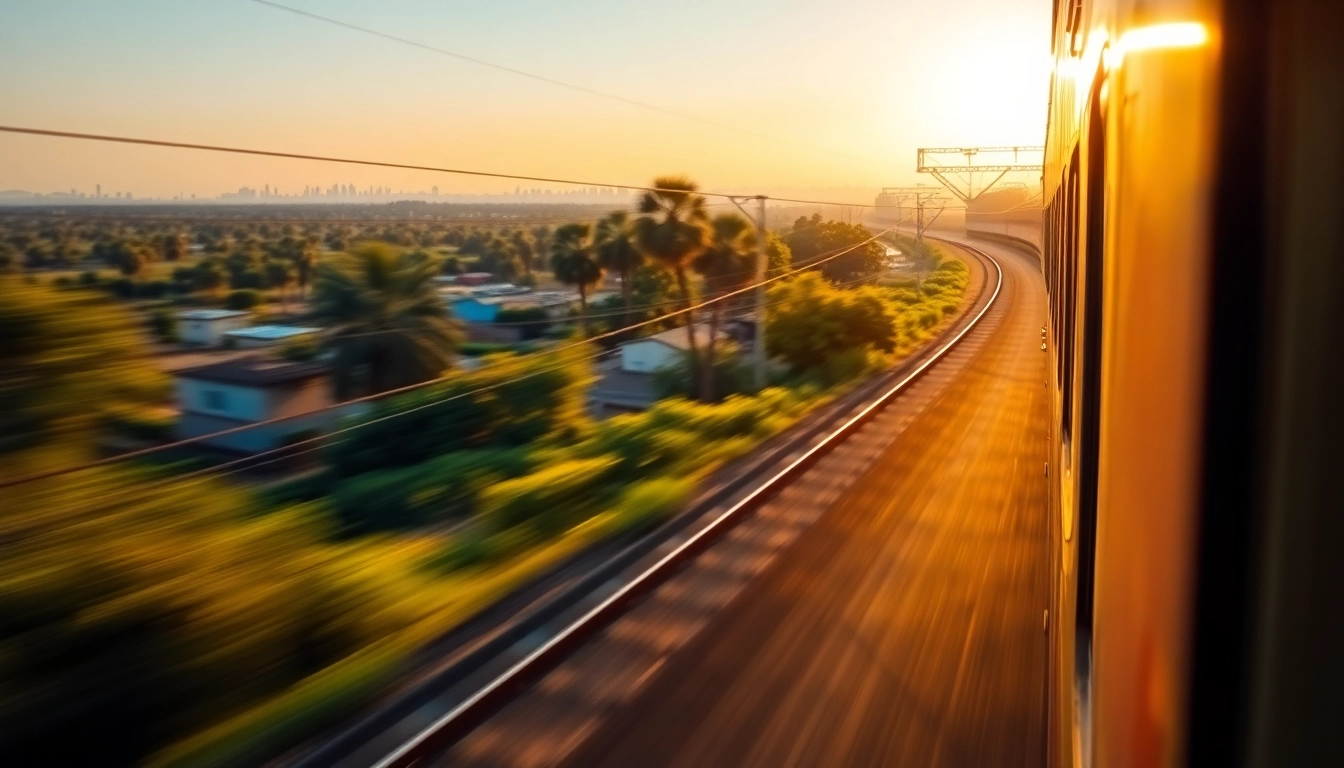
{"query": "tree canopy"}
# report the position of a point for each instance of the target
(811, 320)
(811, 239)
(389, 327)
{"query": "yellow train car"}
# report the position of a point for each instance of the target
(1193, 248)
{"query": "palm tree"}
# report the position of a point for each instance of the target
(672, 231)
(726, 266)
(616, 252)
(389, 326)
(574, 262)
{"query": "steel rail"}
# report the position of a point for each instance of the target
(462, 719)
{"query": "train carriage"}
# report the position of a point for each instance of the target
(1193, 250)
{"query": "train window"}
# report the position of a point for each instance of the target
(1089, 427)
(1069, 305)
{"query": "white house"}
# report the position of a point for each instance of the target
(660, 350)
(206, 327)
(268, 335)
(236, 393)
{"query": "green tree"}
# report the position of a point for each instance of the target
(210, 275)
(672, 230)
(575, 262)
(616, 251)
(726, 265)
(541, 241)
(389, 326)
(174, 246)
(244, 266)
(813, 239)
(812, 321)
(67, 356)
(301, 252)
(778, 255)
(500, 260)
(523, 247)
(280, 275)
(129, 256)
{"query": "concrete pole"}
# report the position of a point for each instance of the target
(762, 259)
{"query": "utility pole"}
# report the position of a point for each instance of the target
(762, 262)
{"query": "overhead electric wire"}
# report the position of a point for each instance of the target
(560, 83)
(122, 457)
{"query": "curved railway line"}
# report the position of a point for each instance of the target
(460, 712)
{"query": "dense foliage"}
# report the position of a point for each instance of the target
(813, 239)
(387, 325)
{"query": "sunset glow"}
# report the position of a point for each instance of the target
(844, 99)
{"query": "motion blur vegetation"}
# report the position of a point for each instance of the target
(151, 616)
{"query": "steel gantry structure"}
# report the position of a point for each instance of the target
(928, 204)
(970, 171)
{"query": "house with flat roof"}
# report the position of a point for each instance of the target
(268, 335)
(250, 390)
(206, 327)
(478, 309)
(660, 350)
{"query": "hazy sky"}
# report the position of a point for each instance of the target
(859, 85)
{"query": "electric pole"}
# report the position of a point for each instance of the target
(762, 262)
(758, 356)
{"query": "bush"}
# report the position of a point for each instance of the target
(300, 350)
(64, 281)
(140, 423)
(548, 500)
(479, 348)
(732, 376)
(377, 501)
(163, 324)
(506, 405)
(122, 287)
(309, 487)
(155, 289)
(646, 504)
(89, 278)
(244, 298)
(448, 486)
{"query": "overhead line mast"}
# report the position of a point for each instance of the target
(968, 173)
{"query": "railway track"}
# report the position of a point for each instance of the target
(503, 660)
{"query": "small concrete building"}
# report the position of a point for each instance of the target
(478, 309)
(206, 327)
(269, 335)
(660, 350)
(236, 393)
